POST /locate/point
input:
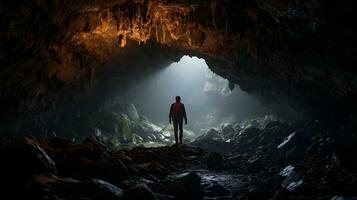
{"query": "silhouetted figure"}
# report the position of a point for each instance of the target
(177, 114)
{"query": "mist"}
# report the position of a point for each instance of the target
(208, 99)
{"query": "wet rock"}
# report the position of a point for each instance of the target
(293, 178)
(286, 140)
(140, 191)
(295, 184)
(287, 171)
(215, 161)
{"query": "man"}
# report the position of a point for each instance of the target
(177, 114)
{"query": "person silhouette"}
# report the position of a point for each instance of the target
(178, 114)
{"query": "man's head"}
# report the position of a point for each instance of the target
(178, 98)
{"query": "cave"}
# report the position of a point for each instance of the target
(267, 87)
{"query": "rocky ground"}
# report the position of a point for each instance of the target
(301, 160)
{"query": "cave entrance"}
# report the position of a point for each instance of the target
(210, 100)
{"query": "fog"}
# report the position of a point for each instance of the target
(208, 99)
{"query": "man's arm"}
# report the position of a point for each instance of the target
(184, 113)
(170, 114)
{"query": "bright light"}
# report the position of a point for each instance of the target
(206, 96)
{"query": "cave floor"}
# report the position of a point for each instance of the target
(57, 168)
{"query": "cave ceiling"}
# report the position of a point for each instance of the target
(300, 52)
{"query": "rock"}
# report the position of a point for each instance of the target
(293, 178)
(140, 191)
(214, 145)
(254, 164)
(132, 112)
(164, 197)
(91, 149)
(58, 142)
(24, 157)
(286, 140)
(216, 190)
(42, 186)
(346, 155)
(281, 194)
(113, 171)
(215, 161)
(294, 145)
(182, 186)
(192, 184)
(295, 184)
(53, 187)
(338, 198)
(212, 134)
(170, 187)
(227, 129)
(247, 135)
(287, 171)
(273, 124)
(95, 142)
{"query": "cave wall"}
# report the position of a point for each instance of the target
(56, 53)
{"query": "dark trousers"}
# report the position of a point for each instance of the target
(178, 125)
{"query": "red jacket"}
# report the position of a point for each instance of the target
(177, 112)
